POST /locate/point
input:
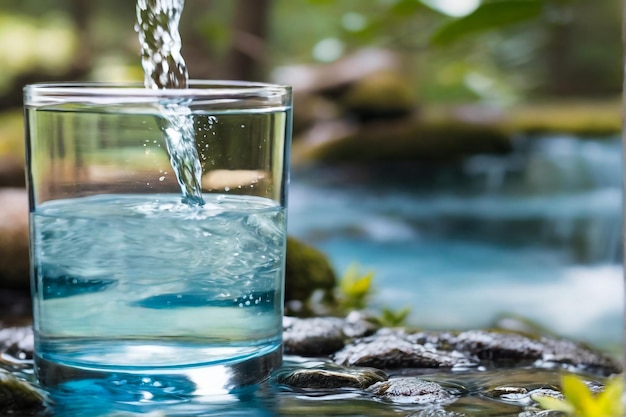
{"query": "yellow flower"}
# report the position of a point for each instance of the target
(579, 401)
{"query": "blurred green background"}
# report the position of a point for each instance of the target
(500, 54)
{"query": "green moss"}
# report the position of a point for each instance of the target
(18, 395)
(577, 118)
(411, 140)
(307, 270)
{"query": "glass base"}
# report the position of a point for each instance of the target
(158, 384)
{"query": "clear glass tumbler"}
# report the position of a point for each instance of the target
(158, 230)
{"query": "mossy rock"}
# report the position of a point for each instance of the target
(380, 95)
(596, 119)
(411, 140)
(17, 395)
(307, 270)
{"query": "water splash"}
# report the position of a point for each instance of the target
(164, 67)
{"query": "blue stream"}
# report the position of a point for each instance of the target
(535, 234)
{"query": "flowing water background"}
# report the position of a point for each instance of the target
(534, 234)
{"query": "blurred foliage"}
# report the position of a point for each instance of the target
(503, 52)
(355, 288)
(392, 318)
(488, 16)
(12, 134)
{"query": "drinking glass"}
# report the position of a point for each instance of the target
(157, 233)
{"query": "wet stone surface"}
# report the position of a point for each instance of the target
(336, 366)
(393, 351)
(395, 348)
(411, 390)
(319, 336)
(328, 376)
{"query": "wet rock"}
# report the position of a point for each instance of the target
(496, 346)
(546, 392)
(329, 376)
(520, 395)
(409, 390)
(16, 394)
(14, 256)
(389, 349)
(436, 411)
(317, 336)
(321, 336)
(356, 324)
(545, 352)
(566, 352)
(392, 350)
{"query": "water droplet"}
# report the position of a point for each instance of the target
(226, 188)
(161, 178)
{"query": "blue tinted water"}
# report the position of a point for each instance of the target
(535, 234)
(132, 283)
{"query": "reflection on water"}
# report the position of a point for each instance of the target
(536, 233)
(478, 393)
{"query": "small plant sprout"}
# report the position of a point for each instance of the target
(393, 318)
(355, 288)
(579, 401)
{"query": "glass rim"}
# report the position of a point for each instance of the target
(135, 91)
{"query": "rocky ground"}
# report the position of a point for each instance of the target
(334, 364)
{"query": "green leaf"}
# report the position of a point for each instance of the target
(489, 16)
(390, 318)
